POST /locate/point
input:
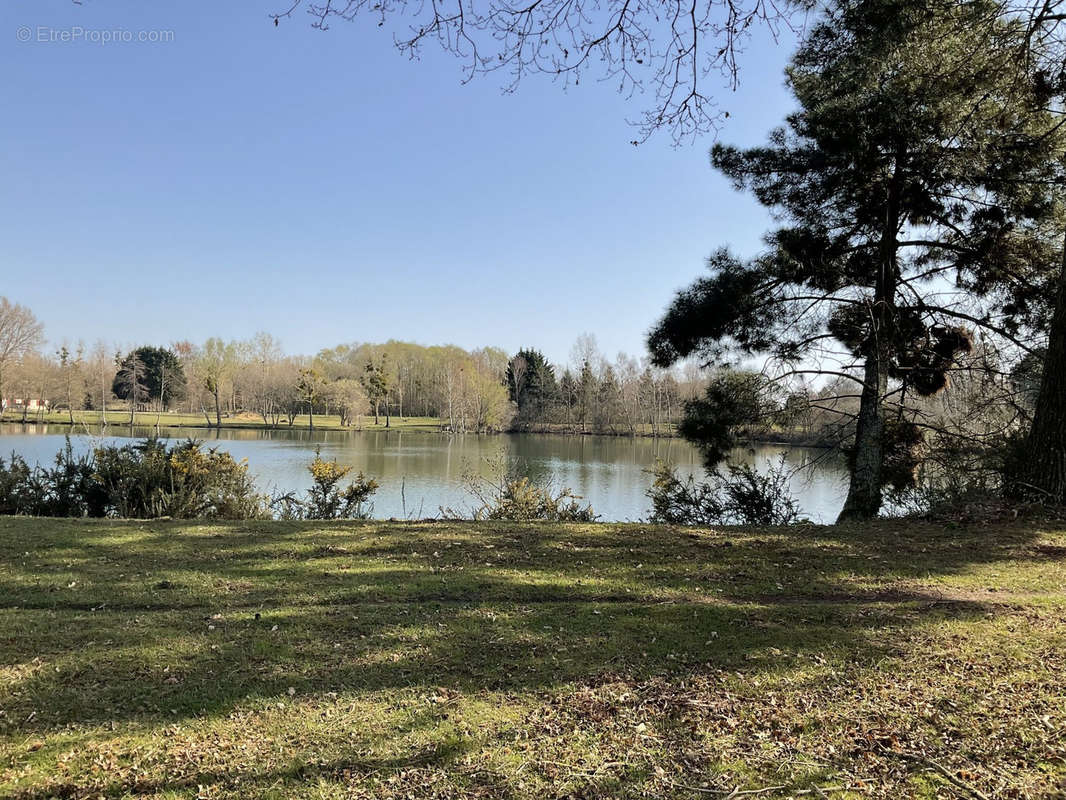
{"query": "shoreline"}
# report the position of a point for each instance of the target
(331, 424)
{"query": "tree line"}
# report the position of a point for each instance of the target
(482, 390)
(486, 390)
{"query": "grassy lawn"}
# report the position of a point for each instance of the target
(424, 660)
(148, 419)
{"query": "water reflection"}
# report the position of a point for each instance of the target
(608, 471)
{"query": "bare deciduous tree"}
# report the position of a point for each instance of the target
(130, 379)
(20, 332)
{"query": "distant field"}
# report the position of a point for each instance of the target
(245, 420)
(433, 660)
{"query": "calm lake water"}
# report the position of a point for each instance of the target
(421, 472)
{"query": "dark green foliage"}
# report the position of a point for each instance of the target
(924, 354)
(147, 479)
(917, 199)
(142, 480)
(733, 403)
(163, 376)
(15, 483)
(741, 496)
(531, 384)
(376, 384)
(186, 481)
(66, 489)
(904, 444)
(920, 352)
(714, 313)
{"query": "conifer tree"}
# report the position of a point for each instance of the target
(914, 187)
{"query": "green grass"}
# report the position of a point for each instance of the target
(243, 421)
(378, 660)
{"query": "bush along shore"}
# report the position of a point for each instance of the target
(186, 480)
(151, 479)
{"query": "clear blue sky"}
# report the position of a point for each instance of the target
(319, 186)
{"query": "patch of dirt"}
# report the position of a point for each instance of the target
(1052, 551)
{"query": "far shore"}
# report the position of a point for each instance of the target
(165, 420)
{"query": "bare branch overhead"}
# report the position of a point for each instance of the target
(667, 49)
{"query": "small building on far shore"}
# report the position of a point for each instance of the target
(19, 404)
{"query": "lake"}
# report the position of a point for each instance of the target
(421, 472)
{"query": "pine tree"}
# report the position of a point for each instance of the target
(914, 192)
(531, 384)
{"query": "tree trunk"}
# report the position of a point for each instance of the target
(103, 400)
(218, 408)
(310, 415)
(1043, 466)
(864, 490)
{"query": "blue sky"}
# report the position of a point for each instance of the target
(322, 187)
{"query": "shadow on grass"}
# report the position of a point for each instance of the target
(442, 755)
(116, 621)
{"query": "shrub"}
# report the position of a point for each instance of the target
(16, 479)
(146, 480)
(520, 500)
(66, 489)
(141, 480)
(970, 479)
(510, 495)
(326, 499)
(742, 496)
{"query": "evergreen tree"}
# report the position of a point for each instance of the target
(586, 393)
(309, 386)
(1040, 470)
(608, 396)
(568, 393)
(376, 383)
(913, 190)
(531, 384)
(162, 378)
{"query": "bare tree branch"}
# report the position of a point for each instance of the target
(668, 49)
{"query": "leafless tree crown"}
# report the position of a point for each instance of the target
(668, 49)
